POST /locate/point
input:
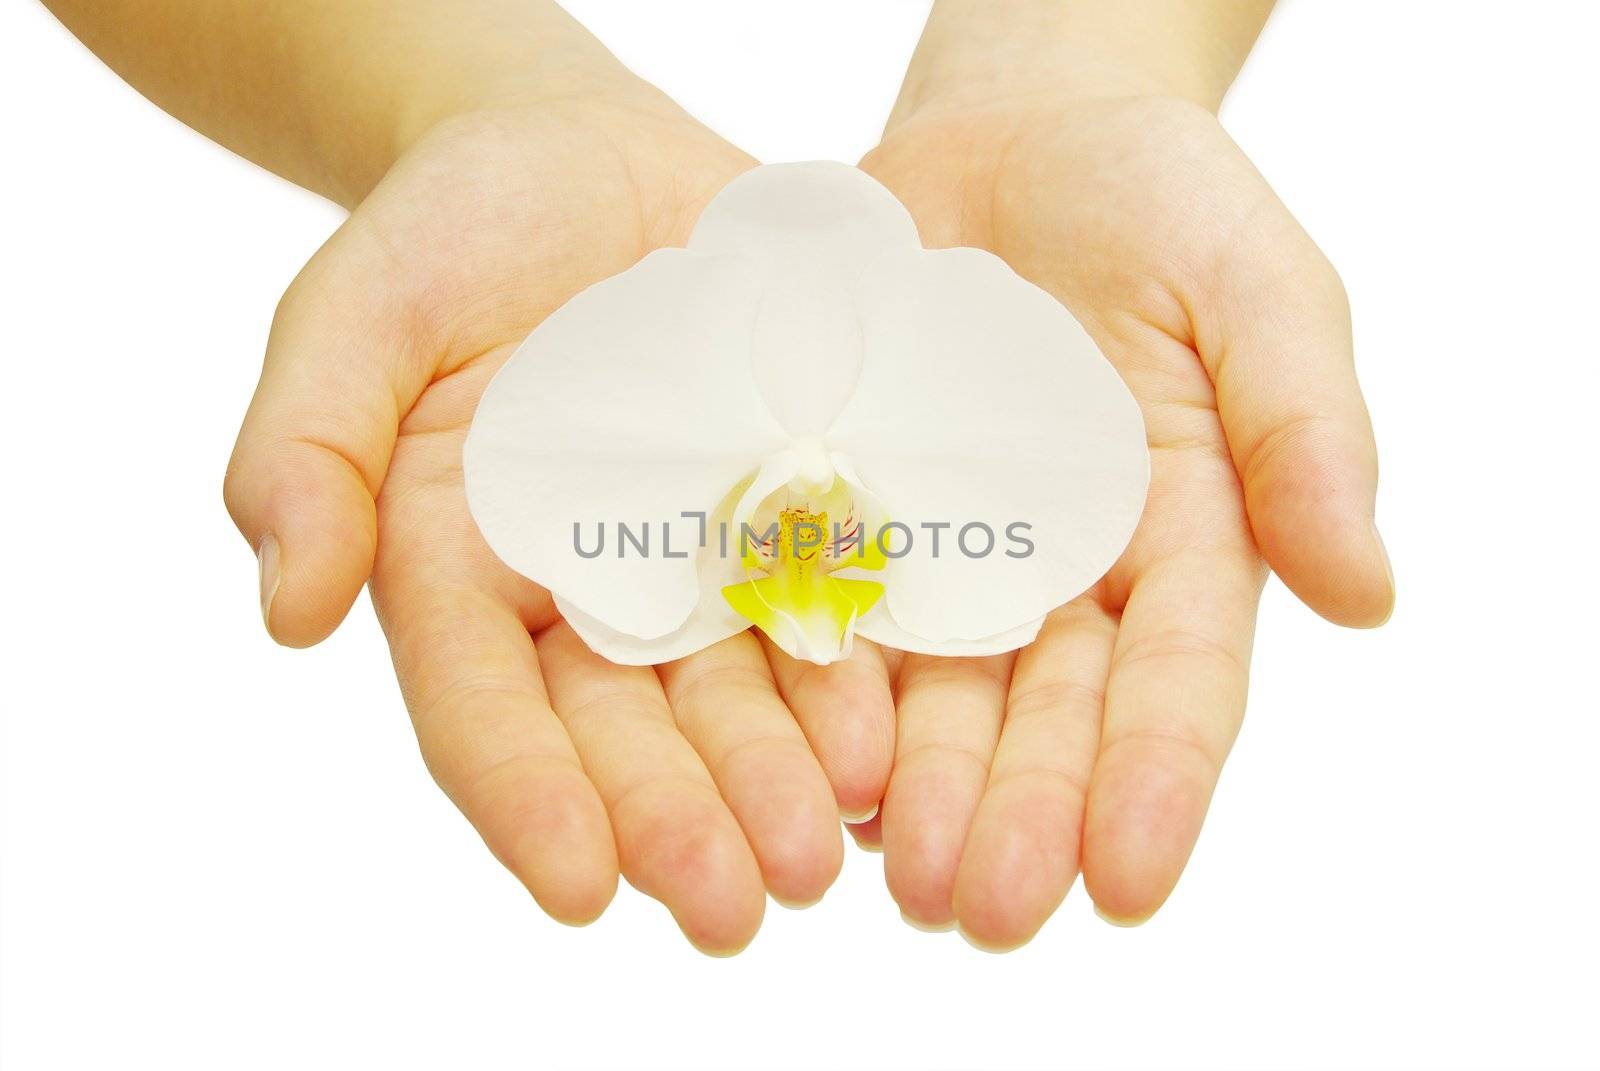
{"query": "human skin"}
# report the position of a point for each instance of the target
(1079, 142)
(497, 160)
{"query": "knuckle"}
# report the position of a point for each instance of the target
(1181, 644)
(1168, 746)
(233, 487)
(1291, 442)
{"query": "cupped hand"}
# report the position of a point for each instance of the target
(1098, 746)
(694, 780)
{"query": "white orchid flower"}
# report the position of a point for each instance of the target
(807, 422)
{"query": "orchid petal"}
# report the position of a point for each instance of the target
(983, 402)
(712, 621)
(717, 565)
(819, 208)
(879, 626)
(632, 403)
(807, 231)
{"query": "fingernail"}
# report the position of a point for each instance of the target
(1124, 923)
(857, 819)
(928, 927)
(267, 559)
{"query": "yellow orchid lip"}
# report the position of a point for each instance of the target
(797, 601)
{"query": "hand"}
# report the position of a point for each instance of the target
(694, 780)
(1098, 746)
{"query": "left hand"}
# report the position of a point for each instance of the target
(1098, 746)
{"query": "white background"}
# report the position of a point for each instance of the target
(218, 853)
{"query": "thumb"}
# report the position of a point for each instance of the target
(1280, 355)
(317, 438)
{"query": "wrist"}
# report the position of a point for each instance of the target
(486, 56)
(970, 58)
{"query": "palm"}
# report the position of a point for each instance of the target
(494, 233)
(1101, 744)
(570, 767)
(1107, 212)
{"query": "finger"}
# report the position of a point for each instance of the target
(1280, 356)
(1021, 855)
(868, 835)
(341, 367)
(846, 710)
(471, 679)
(949, 715)
(727, 706)
(676, 839)
(1174, 701)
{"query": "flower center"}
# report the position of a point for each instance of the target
(791, 595)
